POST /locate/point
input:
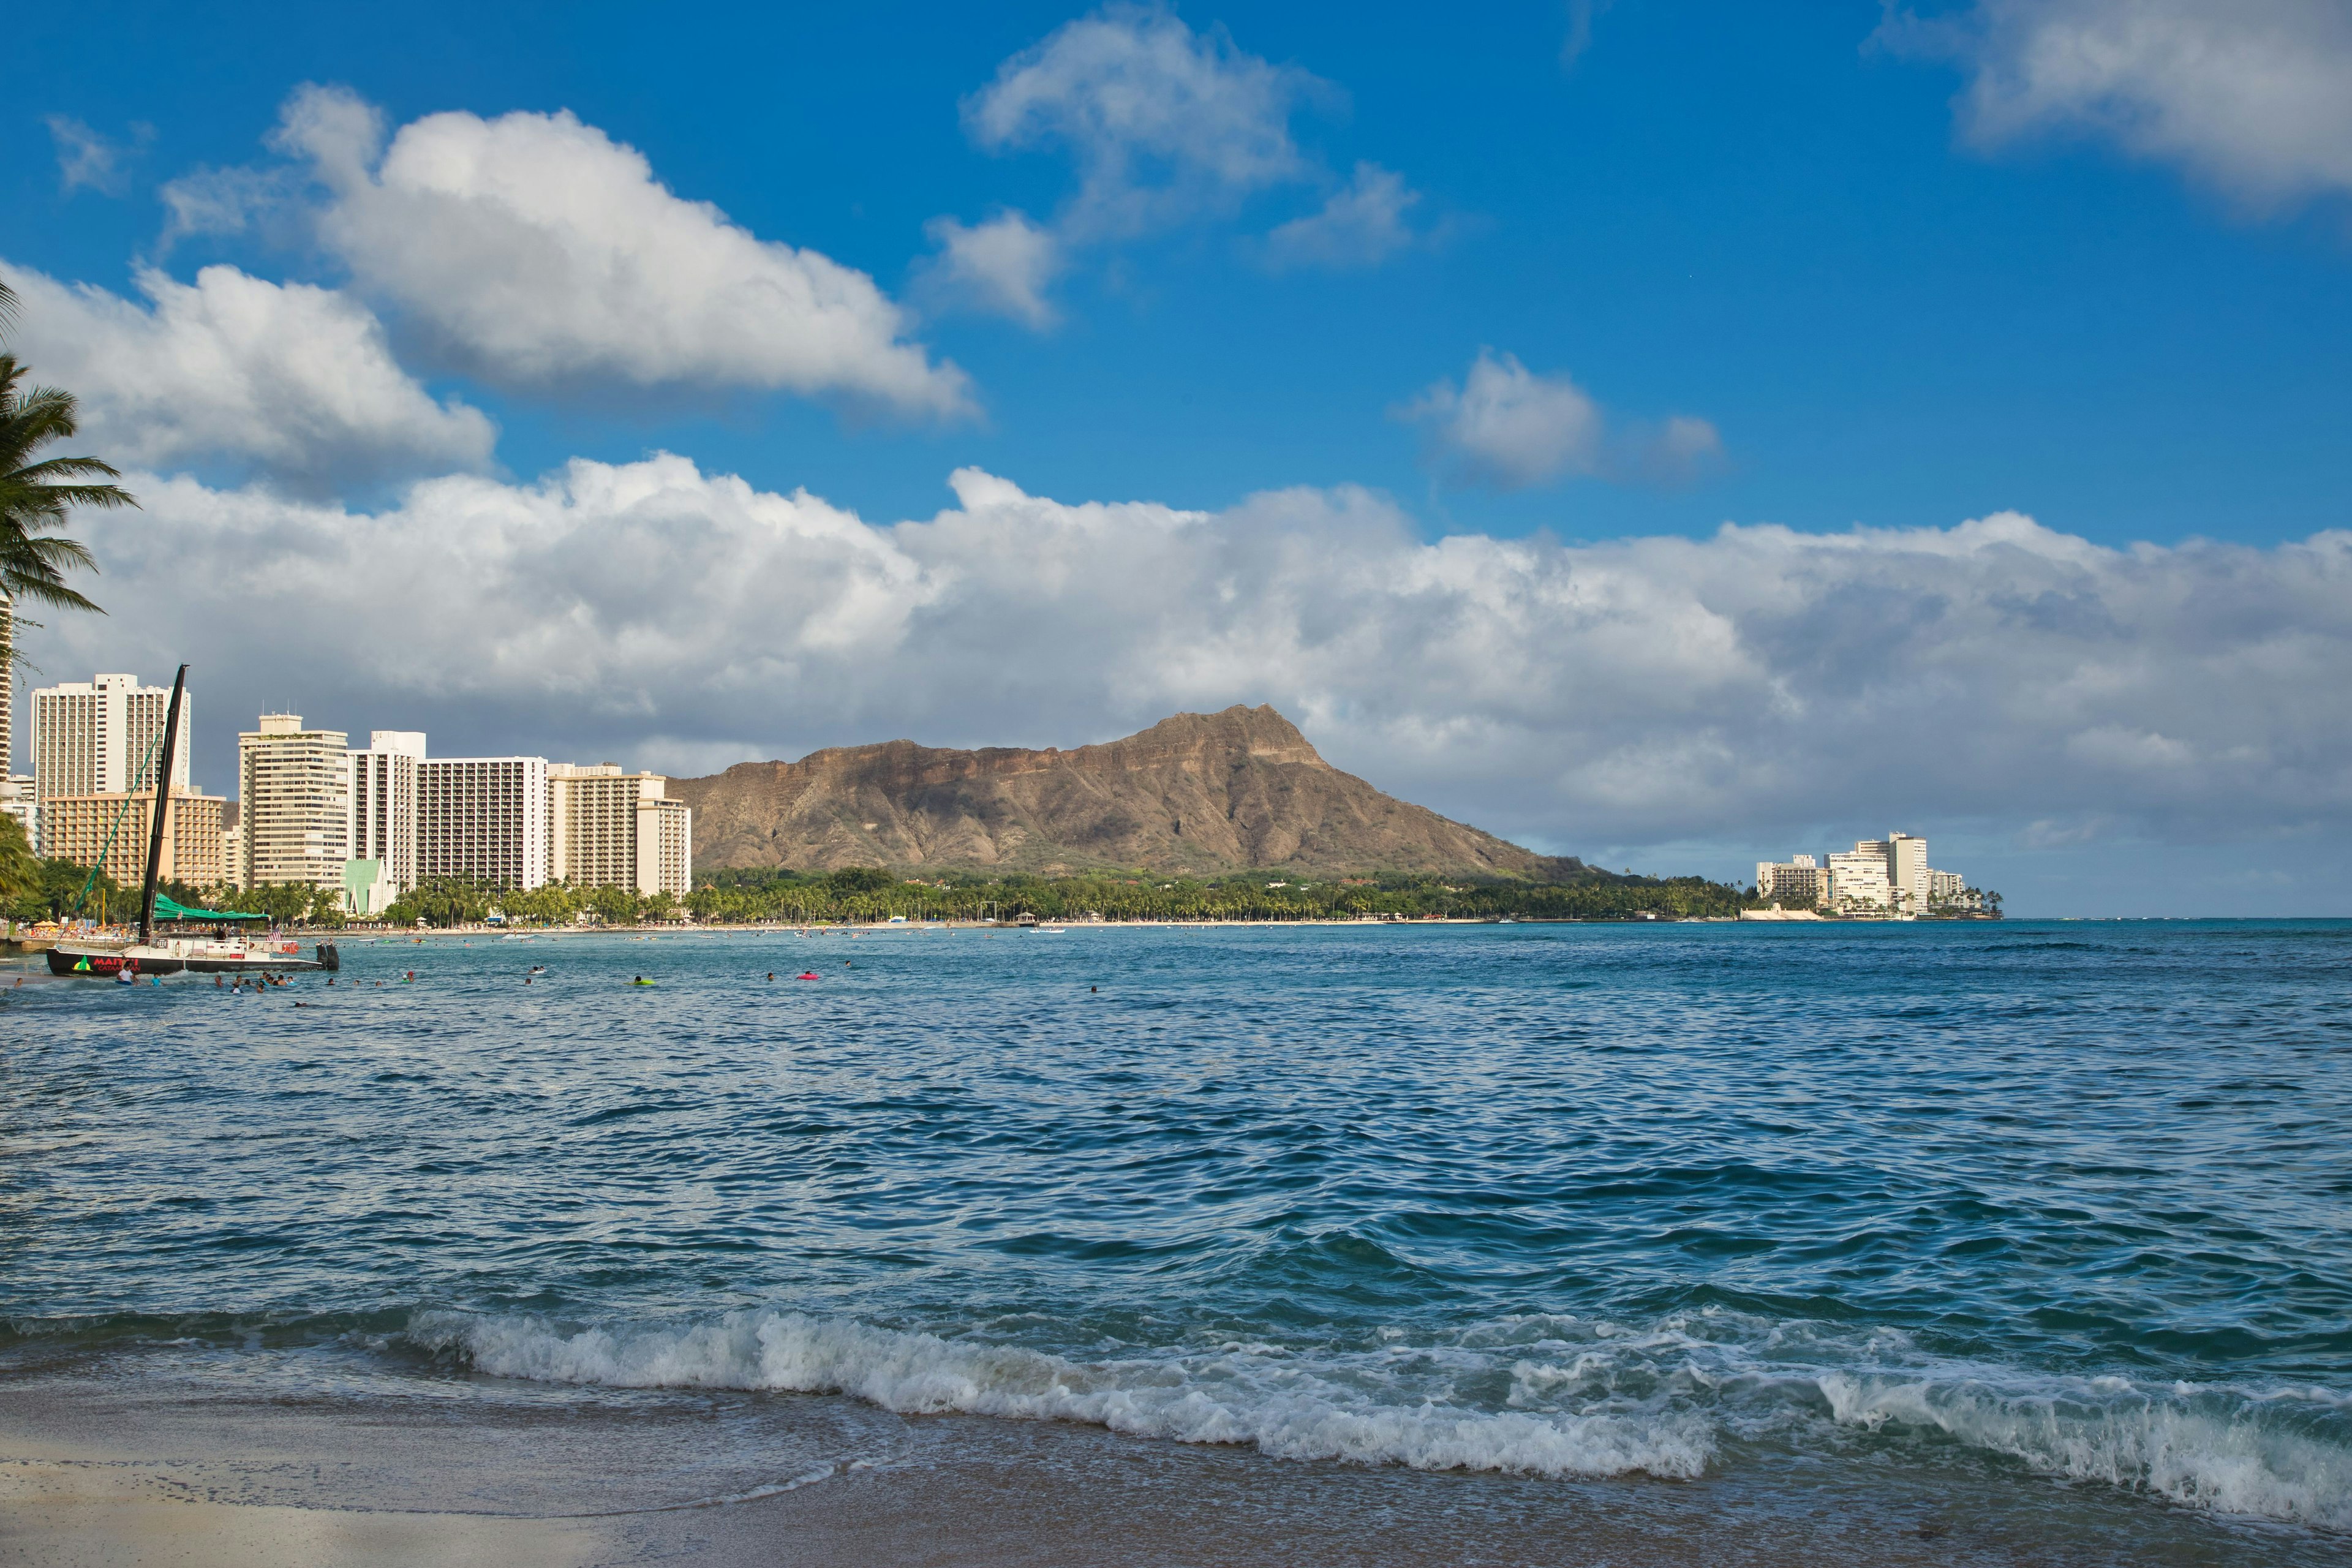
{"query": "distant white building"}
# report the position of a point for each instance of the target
(1889, 875)
(20, 800)
(293, 813)
(611, 829)
(102, 736)
(1795, 883)
(483, 820)
(384, 795)
(1906, 868)
(1858, 878)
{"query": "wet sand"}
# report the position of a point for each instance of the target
(101, 1469)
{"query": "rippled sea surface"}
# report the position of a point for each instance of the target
(2057, 1212)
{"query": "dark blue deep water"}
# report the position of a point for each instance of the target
(2058, 1205)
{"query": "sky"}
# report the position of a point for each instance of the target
(1673, 433)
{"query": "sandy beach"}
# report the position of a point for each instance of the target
(164, 1467)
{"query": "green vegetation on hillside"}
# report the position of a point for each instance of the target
(865, 893)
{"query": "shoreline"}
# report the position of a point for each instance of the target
(220, 1470)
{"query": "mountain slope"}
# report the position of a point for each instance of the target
(1198, 794)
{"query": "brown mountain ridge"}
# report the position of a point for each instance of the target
(1197, 794)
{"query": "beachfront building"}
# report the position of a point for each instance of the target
(607, 829)
(293, 804)
(1907, 869)
(1795, 883)
(103, 736)
(383, 829)
(1878, 876)
(20, 800)
(111, 831)
(1859, 880)
(232, 847)
(482, 819)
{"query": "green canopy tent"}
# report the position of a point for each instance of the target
(170, 909)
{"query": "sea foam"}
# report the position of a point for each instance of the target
(1276, 1402)
(2283, 1455)
(1538, 1395)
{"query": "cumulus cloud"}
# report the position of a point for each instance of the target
(536, 252)
(1362, 225)
(1626, 692)
(87, 160)
(1001, 267)
(294, 381)
(1165, 124)
(1509, 428)
(2253, 97)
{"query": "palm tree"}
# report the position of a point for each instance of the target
(37, 493)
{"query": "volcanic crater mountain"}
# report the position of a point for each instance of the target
(1198, 794)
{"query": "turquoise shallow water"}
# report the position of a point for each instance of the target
(2033, 1204)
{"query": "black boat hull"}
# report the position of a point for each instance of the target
(104, 964)
(92, 964)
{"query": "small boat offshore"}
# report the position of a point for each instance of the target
(184, 953)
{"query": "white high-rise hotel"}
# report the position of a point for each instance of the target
(398, 817)
(97, 738)
(611, 829)
(483, 819)
(1890, 874)
(374, 822)
(293, 804)
(102, 736)
(383, 794)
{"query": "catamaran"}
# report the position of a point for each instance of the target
(220, 953)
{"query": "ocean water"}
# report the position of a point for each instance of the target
(2053, 1217)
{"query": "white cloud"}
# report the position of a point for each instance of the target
(88, 160)
(1619, 693)
(2253, 96)
(536, 252)
(1508, 427)
(1001, 266)
(1362, 225)
(292, 380)
(1165, 124)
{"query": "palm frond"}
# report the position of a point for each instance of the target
(36, 495)
(50, 469)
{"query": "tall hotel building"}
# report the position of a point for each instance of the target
(483, 819)
(293, 804)
(100, 736)
(612, 830)
(383, 795)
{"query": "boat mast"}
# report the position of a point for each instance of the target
(162, 808)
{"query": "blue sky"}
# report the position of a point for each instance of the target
(1817, 266)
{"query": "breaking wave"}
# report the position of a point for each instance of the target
(2283, 1455)
(1536, 1395)
(1281, 1403)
